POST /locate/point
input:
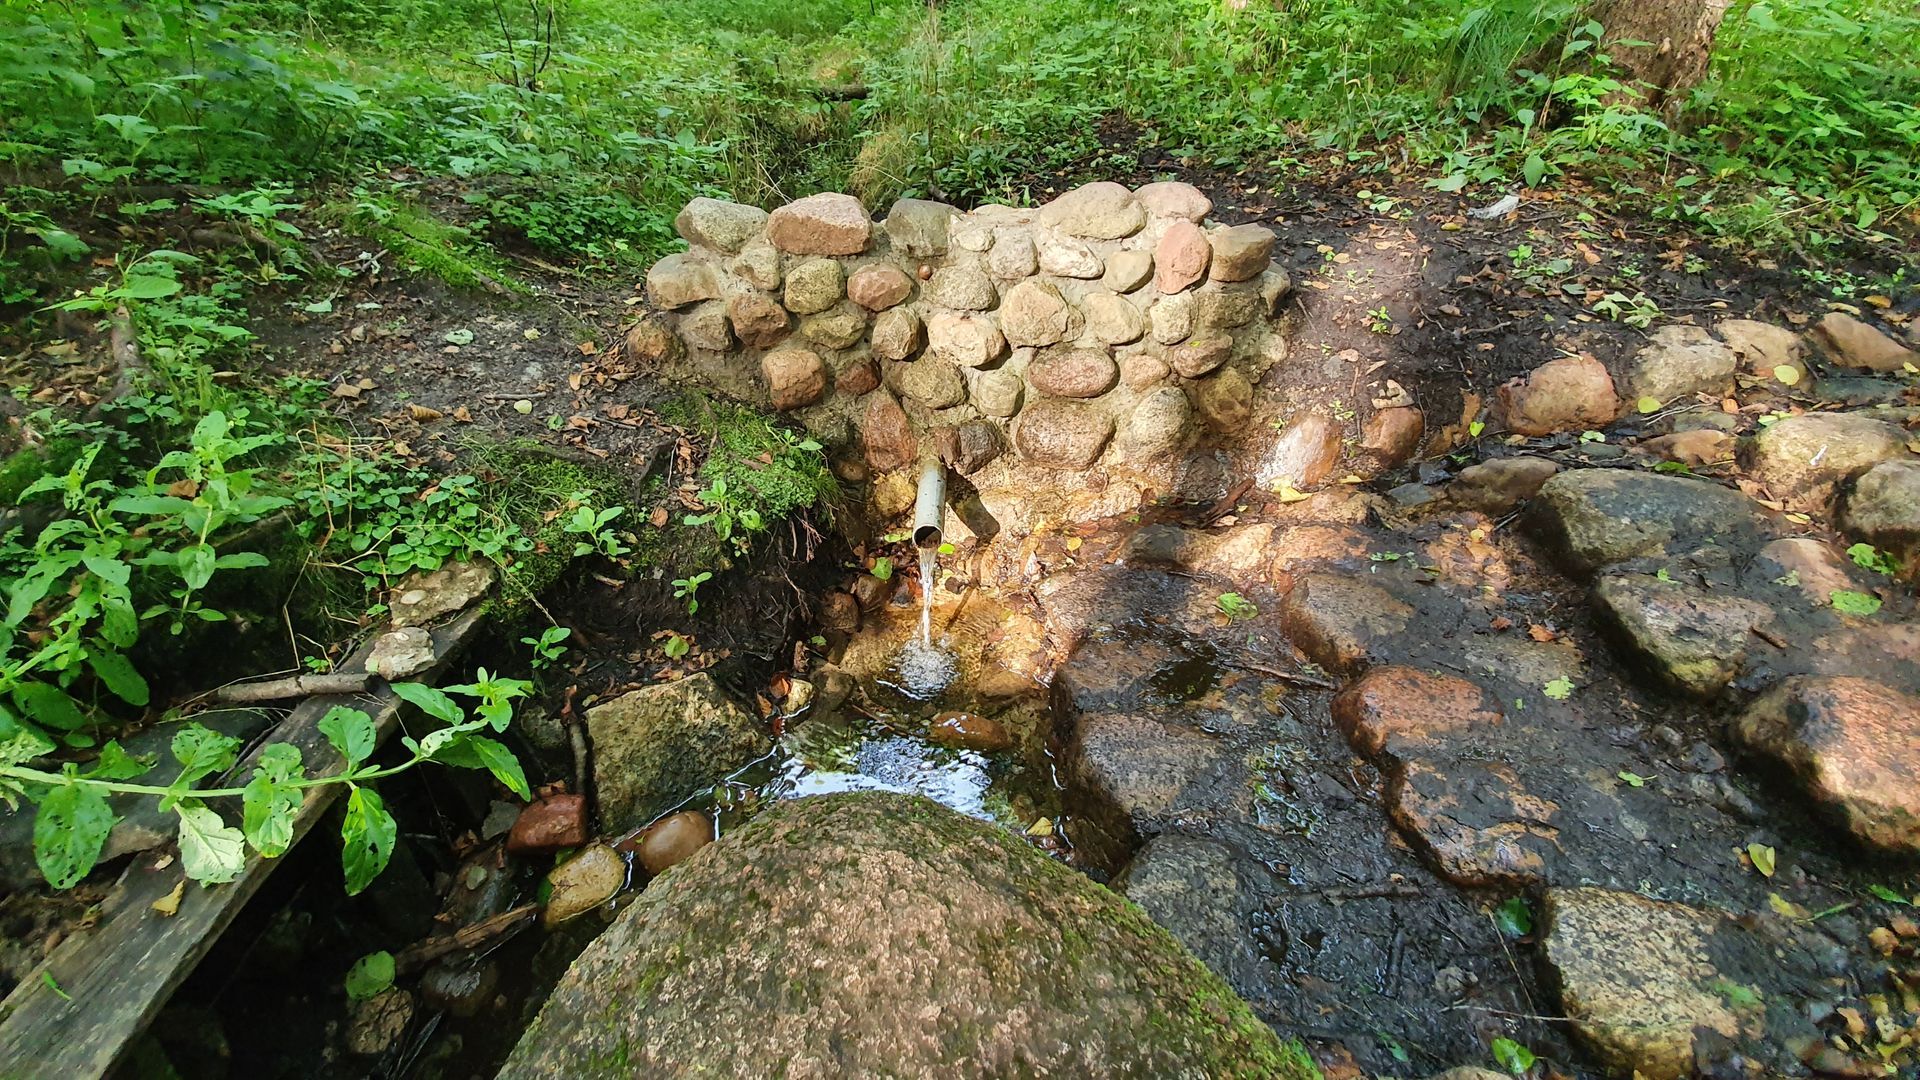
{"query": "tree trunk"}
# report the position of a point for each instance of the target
(1678, 42)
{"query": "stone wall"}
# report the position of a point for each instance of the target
(1109, 328)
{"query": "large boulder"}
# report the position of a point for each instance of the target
(883, 935)
(1694, 640)
(1679, 362)
(1601, 517)
(1102, 210)
(1884, 507)
(1854, 746)
(718, 224)
(658, 745)
(1573, 393)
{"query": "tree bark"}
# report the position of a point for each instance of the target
(1678, 37)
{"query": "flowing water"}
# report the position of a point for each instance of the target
(928, 558)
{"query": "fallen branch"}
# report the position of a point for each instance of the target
(293, 686)
(1297, 677)
(421, 953)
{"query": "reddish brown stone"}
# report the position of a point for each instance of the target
(1853, 745)
(1474, 822)
(879, 287)
(795, 378)
(1180, 261)
(1393, 712)
(1073, 373)
(969, 732)
(885, 433)
(1573, 393)
(858, 378)
(550, 824)
(672, 839)
(1394, 434)
(825, 224)
(758, 320)
(1342, 623)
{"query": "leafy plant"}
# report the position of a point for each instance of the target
(1513, 1057)
(1236, 607)
(73, 816)
(591, 525)
(688, 589)
(547, 648)
(1868, 557)
(1848, 602)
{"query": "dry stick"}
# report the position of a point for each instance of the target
(472, 936)
(1301, 678)
(295, 686)
(124, 346)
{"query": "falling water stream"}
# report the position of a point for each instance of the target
(928, 557)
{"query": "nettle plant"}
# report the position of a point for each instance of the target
(74, 599)
(73, 817)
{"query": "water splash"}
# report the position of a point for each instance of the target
(922, 670)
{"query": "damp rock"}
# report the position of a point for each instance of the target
(969, 447)
(1394, 435)
(1696, 448)
(1393, 713)
(1497, 485)
(1852, 745)
(1635, 977)
(376, 1024)
(840, 611)
(969, 731)
(584, 882)
(549, 824)
(1883, 508)
(1305, 453)
(885, 434)
(1223, 400)
(671, 840)
(400, 653)
(1598, 518)
(1206, 895)
(1342, 623)
(871, 592)
(658, 745)
(878, 883)
(1477, 823)
(461, 987)
(1133, 769)
(1693, 640)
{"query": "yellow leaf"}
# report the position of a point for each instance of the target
(169, 905)
(1041, 827)
(1763, 858)
(1073, 543)
(1787, 374)
(1648, 404)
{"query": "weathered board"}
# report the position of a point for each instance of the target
(113, 980)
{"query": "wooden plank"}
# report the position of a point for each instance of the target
(117, 977)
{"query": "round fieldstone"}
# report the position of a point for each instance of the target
(1112, 319)
(961, 288)
(1180, 260)
(758, 320)
(813, 286)
(918, 227)
(1802, 459)
(795, 377)
(718, 224)
(1884, 507)
(825, 224)
(1140, 370)
(857, 378)
(1061, 433)
(896, 334)
(707, 327)
(968, 340)
(1073, 373)
(1034, 313)
(1223, 400)
(681, 280)
(998, 393)
(879, 286)
(1171, 318)
(840, 328)
(1241, 252)
(885, 433)
(1102, 210)
(1173, 199)
(758, 264)
(1127, 271)
(1013, 255)
(1199, 355)
(1159, 427)
(1225, 306)
(1063, 256)
(1573, 393)
(933, 382)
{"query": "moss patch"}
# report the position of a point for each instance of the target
(448, 252)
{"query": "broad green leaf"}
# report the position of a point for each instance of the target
(370, 976)
(150, 504)
(431, 701)
(200, 750)
(1513, 917)
(49, 706)
(114, 763)
(19, 743)
(118, 675)
(366, 837)
(1888, 895)
(1648, 405)
(491, 755)
(68, 832)
(883, 568)
(1513, 1057)
(211, 851)
(270, 802)
(351, 732)
(1632, 779)
(1534, 170)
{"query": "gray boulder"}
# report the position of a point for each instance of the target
(658, 745)
(884, 935)
(1602, 517)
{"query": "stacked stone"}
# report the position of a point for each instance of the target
(1108, 324)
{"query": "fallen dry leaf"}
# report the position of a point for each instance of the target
(169, 905)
